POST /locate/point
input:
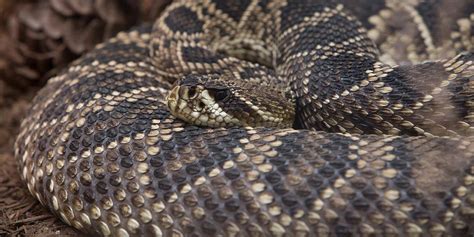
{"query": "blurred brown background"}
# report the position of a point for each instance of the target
(37, 39)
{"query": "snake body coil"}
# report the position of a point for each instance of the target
(101, 149)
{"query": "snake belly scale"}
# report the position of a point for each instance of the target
(381, 150)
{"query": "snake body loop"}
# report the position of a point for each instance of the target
(380, 150)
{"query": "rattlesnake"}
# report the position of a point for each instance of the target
(102, 151)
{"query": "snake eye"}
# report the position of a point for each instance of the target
(221, 95)
(192, 92)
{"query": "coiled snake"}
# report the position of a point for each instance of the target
(101, 149)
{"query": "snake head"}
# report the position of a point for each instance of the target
(222, 101)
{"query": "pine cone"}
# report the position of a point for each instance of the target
(151, 9)
(49, 34)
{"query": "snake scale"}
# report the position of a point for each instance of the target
(379, 149)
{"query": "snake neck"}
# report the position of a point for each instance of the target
(322, 52)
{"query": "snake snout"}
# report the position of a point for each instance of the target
(172, 99)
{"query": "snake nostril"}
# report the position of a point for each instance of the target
(201, 105)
